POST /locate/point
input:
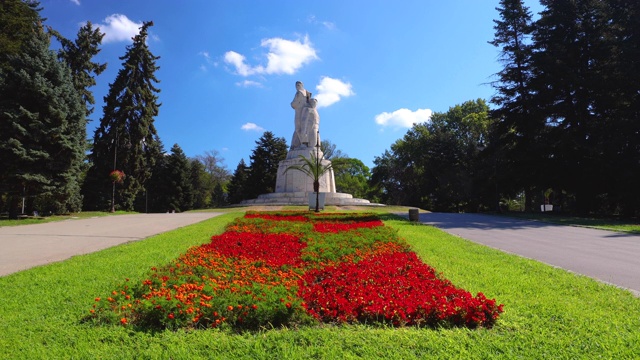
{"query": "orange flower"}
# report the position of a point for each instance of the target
(123, 321)
(230, 308)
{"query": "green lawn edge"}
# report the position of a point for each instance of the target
(549, 312)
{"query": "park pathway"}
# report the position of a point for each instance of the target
(608, 256)
(26, 246)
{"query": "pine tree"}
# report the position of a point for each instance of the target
(19, 20)
(180, 191)
(199, 179)
(516, 144)
(571, 52)
(126, 138)
(77, 55)
(263, 169)
(42, 128)
(237, 185)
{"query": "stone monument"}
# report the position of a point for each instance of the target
(294, 186)
(305, 142)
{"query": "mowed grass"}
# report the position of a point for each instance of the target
(28, 220)
(549, 313)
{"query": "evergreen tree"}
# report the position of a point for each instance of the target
(42, 127)
(621, 147)
(199, 182)
(77, 55)
(237, 185)
(517, 141)
(19, 21)
(218, 196)
(126, 138)
(263, 169)
(177, 177)
(571, 51)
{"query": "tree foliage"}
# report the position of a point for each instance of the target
(126, 138)
(437, 165)
(263, 169)
(170, 187)
(352, 177)
(213, 179)
(42, 121)
(78, 56)
(238, 183)
(567, 102)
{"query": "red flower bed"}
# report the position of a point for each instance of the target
(274, 249)
(254, 275)
(396, 288)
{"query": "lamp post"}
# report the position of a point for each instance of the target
(113, 186)
(316, 183)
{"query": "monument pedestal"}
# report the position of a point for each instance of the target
(291, 181)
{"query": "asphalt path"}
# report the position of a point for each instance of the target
(26, 246)
(608, 256)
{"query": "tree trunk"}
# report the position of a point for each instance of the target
(13, 206)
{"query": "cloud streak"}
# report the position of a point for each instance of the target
(118, 27)
(403, 118)
(283, 57)
(330, 91)
(251, 127)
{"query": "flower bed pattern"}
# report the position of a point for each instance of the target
(294, 268)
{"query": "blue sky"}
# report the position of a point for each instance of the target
(228, 68)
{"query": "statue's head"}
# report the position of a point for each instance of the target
(299, 85)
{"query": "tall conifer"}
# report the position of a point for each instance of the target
(78, 56)
(263, 169)
(42, 127)
(126, 138)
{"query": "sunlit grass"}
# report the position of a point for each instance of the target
(549, 313)
(27, 220)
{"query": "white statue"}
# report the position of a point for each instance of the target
(306, 119)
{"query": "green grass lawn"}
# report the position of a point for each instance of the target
(549, 313)
(4, 221)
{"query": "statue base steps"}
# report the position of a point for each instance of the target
(302, 198)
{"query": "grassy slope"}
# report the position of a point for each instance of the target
(549, 313)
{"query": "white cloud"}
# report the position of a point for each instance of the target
(284, 57)
(249, 83)
(403, 118)
(237, 60)
(77, 2)
(251, 127)
(118, 27)
(331, 91)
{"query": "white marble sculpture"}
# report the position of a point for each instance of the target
(306, 119)
(296, 187)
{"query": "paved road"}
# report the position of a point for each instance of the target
(26, 246)
(608, 256)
